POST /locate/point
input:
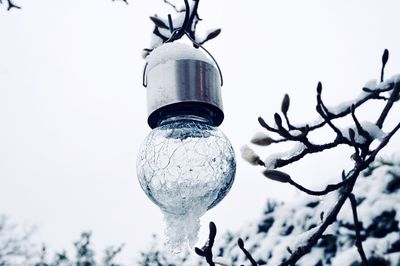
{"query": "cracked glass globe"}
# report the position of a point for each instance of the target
(185, 164)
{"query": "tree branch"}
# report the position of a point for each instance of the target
(11, 5)
(344, 194)
(357, 229)
(206, 250)
(393, 97)
(246, 253)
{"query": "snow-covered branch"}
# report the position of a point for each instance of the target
(170, 28)
(360, 137)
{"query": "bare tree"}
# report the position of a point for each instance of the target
(15, 246)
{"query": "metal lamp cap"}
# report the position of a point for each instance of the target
(184, 87)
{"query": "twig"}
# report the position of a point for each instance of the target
(385, 58)
(357, 229)
(360, 130)
(173, 6)
(206, 250)
(362, 156)
(248, 255)
(329, 188)
(11, 5)
(345, 192)
(393, 97)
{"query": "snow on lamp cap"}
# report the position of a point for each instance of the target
(182, 80)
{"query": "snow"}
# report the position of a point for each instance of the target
(222, 261)
(373, 130)
(295, 132)
(175, 51)
(270, 161)
(387, 82)
(346, 104)
(376, 199)
(371, 84)
(302, 239)
(181, 231)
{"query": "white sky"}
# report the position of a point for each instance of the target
(73, 113)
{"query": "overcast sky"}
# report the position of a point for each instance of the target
(73, 113)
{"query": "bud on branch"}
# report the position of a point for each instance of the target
(277, 176)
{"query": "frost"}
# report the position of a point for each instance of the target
(175, 51)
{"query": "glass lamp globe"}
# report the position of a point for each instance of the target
(185, 163)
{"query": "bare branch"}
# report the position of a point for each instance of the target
(248, 255)
(357, 229)
(344, 194)
(173, 6)
(11, 5)
(385, 58)
(393, 97)
(206, 250)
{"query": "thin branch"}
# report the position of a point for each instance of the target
(173, 6)
(329, 188)
(11, 5)
(206, 250)
(393, 97)
(246, 253)
(372, 95)
(193, 15)
(385, 58)
(344, 194)
(324, 113)
(360, 130)
(357, 229)
(309, 150)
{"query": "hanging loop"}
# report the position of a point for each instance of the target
(178, 33)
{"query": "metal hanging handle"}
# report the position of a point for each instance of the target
(176, 35)
(199, 45)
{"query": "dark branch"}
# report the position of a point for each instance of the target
(11, 5)
(248, 255)
(206, 250)
(329, 188)
(173, 6)
(344, 194)
(385, 58)
(363, 155)
(393, 98)
(357, 228)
